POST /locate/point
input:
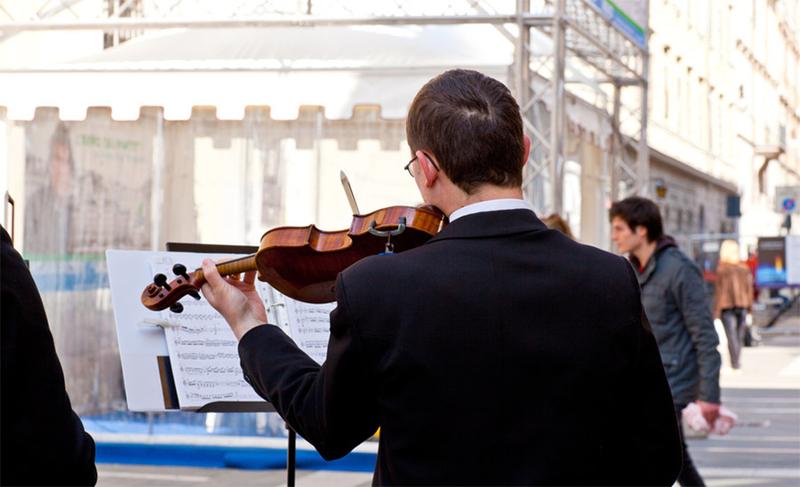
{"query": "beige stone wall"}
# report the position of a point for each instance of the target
(724, 81)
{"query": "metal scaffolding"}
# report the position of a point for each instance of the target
(578, 44)
(609, 60)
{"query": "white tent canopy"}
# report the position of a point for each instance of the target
(283, 68)
(336, 68)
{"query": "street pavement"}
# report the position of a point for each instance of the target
(150, 476)
(762, 450)
(764, 447)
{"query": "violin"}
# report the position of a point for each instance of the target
(303, 262)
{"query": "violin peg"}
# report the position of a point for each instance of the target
(176, 308)
(195, 295)
(180, 270)
(160, 280)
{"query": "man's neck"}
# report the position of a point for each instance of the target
(484, 193)
(644, 252)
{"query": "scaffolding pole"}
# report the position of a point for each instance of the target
(615, 145)
(643, 169)
(582, 36)
(558, 118)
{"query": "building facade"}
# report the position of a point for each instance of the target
(724, 115)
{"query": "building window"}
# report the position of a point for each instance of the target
(701, 219)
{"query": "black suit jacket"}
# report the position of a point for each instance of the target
(42, 441)
(500, 352)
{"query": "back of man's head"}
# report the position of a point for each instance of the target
(637, 211)
(472, 125)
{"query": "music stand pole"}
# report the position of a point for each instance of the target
(290, 456)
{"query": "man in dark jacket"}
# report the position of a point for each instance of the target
(42, 441)
(500, 352)
(673, 295)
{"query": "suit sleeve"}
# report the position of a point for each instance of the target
(691, 297)
(332, 406)
(43, 441)
(656, 453)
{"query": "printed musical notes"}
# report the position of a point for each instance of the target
(309, 326)
(208, 370)
(207, 356)
(202, 349)
(206, 342)
(204, 352)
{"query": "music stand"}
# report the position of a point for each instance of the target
(243, 406)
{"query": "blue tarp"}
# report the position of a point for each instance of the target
(226, 457)
(209, 456)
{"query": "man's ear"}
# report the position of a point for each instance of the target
(428, 170)
(527, 142)
(641, 232)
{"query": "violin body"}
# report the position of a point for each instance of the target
(303, 262)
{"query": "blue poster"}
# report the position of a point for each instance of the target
(771, 270)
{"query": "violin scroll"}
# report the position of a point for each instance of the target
(160, 294)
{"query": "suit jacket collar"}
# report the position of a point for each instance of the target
(491, 224)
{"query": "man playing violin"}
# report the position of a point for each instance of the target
(499, 352)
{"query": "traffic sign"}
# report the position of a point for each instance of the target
(787, 199)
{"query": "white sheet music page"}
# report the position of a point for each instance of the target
(202, 348)
(309, 325)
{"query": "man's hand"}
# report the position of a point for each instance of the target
(710, 411)
(236, 300)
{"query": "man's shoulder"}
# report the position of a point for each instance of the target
(551, 249)
(382, 266)
(675, 264)
(675, 257)
(594, 259)
(595, 253)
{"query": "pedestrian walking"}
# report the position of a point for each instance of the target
(673, 296)
(733, 298)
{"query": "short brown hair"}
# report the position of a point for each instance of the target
(556, 222)
(639, 212)
(472, 124)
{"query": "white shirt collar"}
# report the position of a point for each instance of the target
(491, 205)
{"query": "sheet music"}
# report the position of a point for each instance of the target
(309, 326)
(202, 348)
(204, 351)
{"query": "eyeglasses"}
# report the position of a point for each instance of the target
(408, 166)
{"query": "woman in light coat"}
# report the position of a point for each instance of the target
(733, 297)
